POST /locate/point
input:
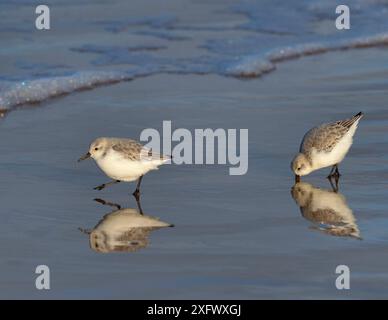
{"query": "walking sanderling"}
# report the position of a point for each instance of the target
(324, 146)
(123, 160)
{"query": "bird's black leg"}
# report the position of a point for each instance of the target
(102, 186)
(107, 203)
(136, 193)
(336, 172)
(139, 204)
(337, 182)
(331, 172)
(335, 186)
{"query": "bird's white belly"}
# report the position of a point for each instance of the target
(122, 169)
(336, 155)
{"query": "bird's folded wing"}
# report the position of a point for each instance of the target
(129, 149)
(323, 138)
(326, 136)
(133, 150)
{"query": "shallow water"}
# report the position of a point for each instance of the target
(234, 236)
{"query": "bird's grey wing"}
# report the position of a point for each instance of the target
(129, 149)
(323, 138)
(326, 136)
(135, 151)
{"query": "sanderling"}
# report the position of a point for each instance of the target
(124, 230)
(324, 146)
(327, 209)
(123, 160)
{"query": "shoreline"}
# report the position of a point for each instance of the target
(248, 67)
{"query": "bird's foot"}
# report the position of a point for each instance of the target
(100, 187)
(335, 175)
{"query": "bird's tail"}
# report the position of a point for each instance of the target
(358, 116)
(150, 155)
(349, 122)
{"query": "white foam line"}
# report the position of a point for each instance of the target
(38, 90)
(258, 65)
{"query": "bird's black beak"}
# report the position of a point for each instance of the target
(86, 156)
(297, 178)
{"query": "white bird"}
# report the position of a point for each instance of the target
(123, 230)
(325, 146)
(328, 209)
(123, 160)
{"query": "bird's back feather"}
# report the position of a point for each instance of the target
(135, 151)
(326, 136)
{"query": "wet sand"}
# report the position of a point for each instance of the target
(237, 237)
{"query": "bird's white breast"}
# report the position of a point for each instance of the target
(116, 166)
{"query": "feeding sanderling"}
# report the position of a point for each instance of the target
(324, 146)
(124, 160)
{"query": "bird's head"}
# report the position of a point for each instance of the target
(97, 149)
(300, 165)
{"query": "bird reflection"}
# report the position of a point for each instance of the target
(123, 230)
(327, 209)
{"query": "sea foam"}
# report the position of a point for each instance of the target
(258, 65)
(33, 91)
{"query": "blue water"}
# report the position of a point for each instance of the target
(233, 38)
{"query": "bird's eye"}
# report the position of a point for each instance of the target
(298, 169)
(95, 149)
